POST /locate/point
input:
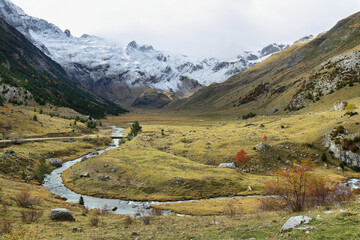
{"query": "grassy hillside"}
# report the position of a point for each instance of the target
(23, 65)
(268, 86)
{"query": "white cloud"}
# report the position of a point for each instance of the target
(199, 28)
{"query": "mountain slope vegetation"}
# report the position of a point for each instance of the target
(24, 65)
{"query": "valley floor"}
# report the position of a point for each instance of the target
(180, 164)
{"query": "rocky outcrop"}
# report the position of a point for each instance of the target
(61, 214)
(344, 146)
(340, 106)
(331, 76)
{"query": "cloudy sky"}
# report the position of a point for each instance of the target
(197, 28)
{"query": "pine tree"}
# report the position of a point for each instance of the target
(81, 201)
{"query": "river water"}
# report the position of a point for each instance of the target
(54, 183)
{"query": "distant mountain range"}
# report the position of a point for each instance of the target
(122, 74)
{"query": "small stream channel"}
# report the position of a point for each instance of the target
(54, 183)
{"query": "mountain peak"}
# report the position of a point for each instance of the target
(132, 44)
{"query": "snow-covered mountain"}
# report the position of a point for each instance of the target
(114, 71)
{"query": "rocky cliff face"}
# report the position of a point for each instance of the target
(100, 65)
(344, 145)
(334, 74)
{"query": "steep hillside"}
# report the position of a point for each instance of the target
(269, 86)
(24, 65)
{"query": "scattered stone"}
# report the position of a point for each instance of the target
(340, 106)
(227, 165)
(340, 169)
(61, 214)
(122, 172)
(249, 188)
(261, 125)
(251, 134)
(106, 165)
(208, 143)
(83, 159)
(318, 217)
(328, 212)
(114, 209)
(293, 222)
(96, 148)
(113, 169)
(84, 175)
(103, 178)
(55, 162)
(76, 229)
(261, 146)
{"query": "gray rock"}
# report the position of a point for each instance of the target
(249, 188)
(261, 146)
(55, 162)
(113, 169)
(76, 229)
(261, 125)
(84, 175)
(103, 178)
(340, 106)
(114, 209)
(293, 222)
(227, 165)
(106, 165)
(61, 214)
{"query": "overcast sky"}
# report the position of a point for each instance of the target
(197, 28)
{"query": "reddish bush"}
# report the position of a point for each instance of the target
(265, 138)
(241, 158)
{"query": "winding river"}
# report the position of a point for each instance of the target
(54, 183)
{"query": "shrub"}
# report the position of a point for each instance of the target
(91, 124)
(35, 118)
(146, 219)
(241, 158)
(324, 157)
(41, 170)
(24, 199)
(232, 208)
(271, 204)
(156, 211)
(94, 220)
(249, 115)
(339, 130)
(162, 132)
(291, 184)
(135, 128)
(128, 220)
(31, 215)
(41, 111)
(81, 201)
(350, 108)
(265, 138)
(6, 226)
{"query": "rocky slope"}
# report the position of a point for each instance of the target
(121, 73)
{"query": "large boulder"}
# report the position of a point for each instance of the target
(227, 165)
(55, 162)
(340, 106)
(61, 214)
(293, 222)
